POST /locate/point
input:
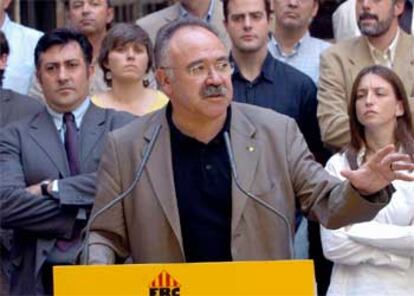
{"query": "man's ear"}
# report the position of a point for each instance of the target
(164, 80)
(3, 61)
(110, 15)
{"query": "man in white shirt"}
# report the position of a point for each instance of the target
(22, 41)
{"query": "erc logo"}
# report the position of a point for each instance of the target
(164, 285)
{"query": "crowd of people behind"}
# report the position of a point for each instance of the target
(189, 94)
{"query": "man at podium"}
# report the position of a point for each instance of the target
(188, 206)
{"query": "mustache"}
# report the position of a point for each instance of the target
(367, 15)
(214, 91)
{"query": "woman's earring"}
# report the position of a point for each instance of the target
(145, 81)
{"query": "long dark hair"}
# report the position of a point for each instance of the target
(404, 131)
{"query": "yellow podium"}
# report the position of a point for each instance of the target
(293, 277)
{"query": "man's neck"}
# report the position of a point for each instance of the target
(201, 130)
(250, 63)
(384, 41)
(2, 19)
(287, 39)
(197, 8)
(96, 41)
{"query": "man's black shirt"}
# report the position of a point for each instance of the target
(202, 178)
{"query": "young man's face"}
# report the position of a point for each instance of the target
(247, 25)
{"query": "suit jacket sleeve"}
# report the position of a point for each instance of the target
(321, 196)
(332, 102)
(20, 209)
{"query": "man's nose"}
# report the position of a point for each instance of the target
(247, 22)
(62, 74)
(214, 77)
(86, 8)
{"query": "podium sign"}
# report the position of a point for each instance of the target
(293, 277)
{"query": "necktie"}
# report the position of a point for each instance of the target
(71, 146)
(71, 143)
(406, 17)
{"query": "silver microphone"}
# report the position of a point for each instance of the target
(121, 196)
(254, 197)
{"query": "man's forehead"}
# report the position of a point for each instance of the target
(196, 43)
(62, 52)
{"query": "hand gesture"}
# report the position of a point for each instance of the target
(385, 166)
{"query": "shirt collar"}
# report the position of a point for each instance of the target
(266, 72)
(275, 45)
(388, 54)
(78, 113)
(179, 137)
(6, 23)
(185, 13)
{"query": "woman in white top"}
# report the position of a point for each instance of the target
(376, 257)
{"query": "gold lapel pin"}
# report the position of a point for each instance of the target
(250, 148)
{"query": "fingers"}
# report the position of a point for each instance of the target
(403, 177)
(346, 173)
(382, 153)
(401, 166)
(393, 158)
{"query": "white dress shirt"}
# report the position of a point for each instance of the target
(376, 257)
(20, 62)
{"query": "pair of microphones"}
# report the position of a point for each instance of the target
(139, 172)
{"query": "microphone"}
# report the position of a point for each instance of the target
(121, 196)
(254, 197)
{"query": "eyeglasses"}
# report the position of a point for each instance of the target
(202, 69)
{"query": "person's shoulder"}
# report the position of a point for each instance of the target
(138, 125)
(155, 17)
(116, 119)
(319, 44)
(259, 115)
(29, 34)
(344, 47)
(292, 75)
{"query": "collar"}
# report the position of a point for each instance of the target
(266, 72)
(78, 113)
(187, 140)
(6, 23)
(275, 45)
(388, 54)
(185, 13)
(360, 158)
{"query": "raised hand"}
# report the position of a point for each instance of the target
(385, 166)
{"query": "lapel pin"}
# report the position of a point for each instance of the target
(250, 148)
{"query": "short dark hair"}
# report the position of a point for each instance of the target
(404, 131)
(121, 34)
(4, 45)
(63, 36)
(166, 32)
(66, 3)
(268, 8)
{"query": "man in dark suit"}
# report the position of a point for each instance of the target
(48, 163)
(186, 207)
(13, 106)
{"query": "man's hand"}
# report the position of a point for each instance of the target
(36, 189)
(385, 166)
